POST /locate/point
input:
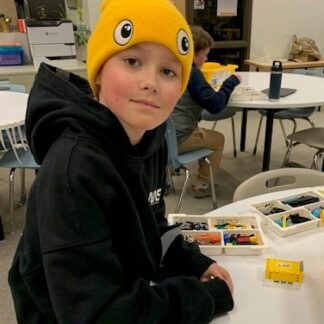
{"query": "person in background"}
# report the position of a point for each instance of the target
(96, 247)
(200, 95)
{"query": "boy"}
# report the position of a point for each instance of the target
(187, 113)
(95, 240)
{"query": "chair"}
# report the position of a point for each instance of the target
(277, 180)
(290, 114)
(228, 112)
(9, 161)
(312, 137)
(178, 161)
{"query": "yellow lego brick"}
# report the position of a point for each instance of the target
(284, 270)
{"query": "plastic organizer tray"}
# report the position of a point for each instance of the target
(213, 232)
(278, 214)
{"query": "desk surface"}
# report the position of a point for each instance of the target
(25, 74)
(13, 109)
(260, 301)
(309, 91)
(265, 64)
(30, 69)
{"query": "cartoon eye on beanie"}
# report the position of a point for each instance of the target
(125, 23)
(123, 33)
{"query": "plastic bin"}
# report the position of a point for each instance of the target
(11, 54)
(215, 73)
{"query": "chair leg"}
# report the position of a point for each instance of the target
(293, 131)
(214, 125)
(11, 197)
(23, 194)
(315, 160)
(2, 236)
(288, 153)
(184, 188)
(234, 138)
(170, 180)
(258, 135)
(310, 122)
(212, 183)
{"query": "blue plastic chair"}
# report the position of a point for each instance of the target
(9, 161)
(228, 112)
(178, 161)
(290, 114)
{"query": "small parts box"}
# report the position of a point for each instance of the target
(284, 270)
(11, 54)
(292, 214)
(216, 235)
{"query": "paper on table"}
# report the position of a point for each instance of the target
(247, 94)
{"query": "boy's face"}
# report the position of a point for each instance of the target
(141, 86)
(201, 57)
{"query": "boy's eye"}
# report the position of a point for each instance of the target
(168, 72)
(132, 61)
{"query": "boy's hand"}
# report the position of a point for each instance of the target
(214, 270)
(238, 76)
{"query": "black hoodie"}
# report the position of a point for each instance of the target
(92, 243)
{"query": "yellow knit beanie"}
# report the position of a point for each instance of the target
(125, 23)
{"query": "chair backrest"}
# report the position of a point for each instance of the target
(277, 180)
(7, 86)
(310, 72)
(172, 143)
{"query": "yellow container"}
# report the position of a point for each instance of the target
(215, 73)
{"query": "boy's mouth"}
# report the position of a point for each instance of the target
(146, 103)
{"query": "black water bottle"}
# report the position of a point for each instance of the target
(275, 81)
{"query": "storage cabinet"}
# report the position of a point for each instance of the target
(230, 33)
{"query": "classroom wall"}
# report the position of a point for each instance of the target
(274, 22)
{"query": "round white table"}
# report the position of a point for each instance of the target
(310, 93)
(262, 301)
(12, 117)
(13, 109)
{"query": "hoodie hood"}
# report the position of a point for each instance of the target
(60, 101)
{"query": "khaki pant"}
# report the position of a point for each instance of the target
(208, 139)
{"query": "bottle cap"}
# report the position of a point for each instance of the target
(276, 66)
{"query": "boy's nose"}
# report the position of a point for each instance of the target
(149, 83)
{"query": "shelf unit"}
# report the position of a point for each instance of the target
(231, 34)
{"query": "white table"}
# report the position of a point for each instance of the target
(309, 93)
(13, 107)
(12, 115)
(261, 301)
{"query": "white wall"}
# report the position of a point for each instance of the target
(275, 21)
(91, 12)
